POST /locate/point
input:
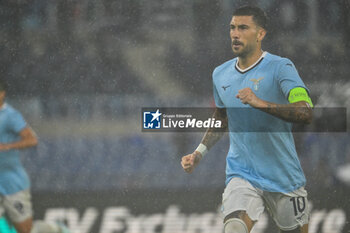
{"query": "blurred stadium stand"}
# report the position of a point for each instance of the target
(150, 162)
(127, 47)
(100, 164)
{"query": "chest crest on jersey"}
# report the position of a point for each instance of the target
(256, 82)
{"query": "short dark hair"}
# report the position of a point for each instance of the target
(3, 85)
(259, 16)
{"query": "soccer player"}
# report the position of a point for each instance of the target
(262, 166)
(15, 196)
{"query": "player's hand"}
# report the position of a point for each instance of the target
(190, 161)
(247, 96)
(4, 147)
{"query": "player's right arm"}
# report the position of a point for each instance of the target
(27, 139)
(210, 138)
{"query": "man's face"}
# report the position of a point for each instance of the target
(245, 35)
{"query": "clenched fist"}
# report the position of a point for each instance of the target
(190, 161)
(247, 96)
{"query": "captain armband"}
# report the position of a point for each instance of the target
(299, 94)
(202, 149)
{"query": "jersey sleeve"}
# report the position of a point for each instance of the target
(288, 77)
(17, 122)
(218, 101)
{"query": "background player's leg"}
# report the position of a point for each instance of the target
(238, 222)
(39, 226)
(24, 226)
(18, 208)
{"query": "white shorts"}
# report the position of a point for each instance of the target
(17, 206)
(289, 210)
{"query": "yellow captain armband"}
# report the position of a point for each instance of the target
(299, 94)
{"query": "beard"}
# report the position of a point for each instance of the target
(243, 50)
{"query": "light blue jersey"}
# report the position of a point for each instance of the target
(262, 148)
(13, 177)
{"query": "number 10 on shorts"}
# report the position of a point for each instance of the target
(298, 204)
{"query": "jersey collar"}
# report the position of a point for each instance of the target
(252, 66)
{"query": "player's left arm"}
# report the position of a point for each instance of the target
(299, 110)
(27, 139)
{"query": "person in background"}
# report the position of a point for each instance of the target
(15, 197)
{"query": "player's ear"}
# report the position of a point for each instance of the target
(261, 34)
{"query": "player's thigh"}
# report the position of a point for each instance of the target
(241, 197)
(18, 206)
(289, 211)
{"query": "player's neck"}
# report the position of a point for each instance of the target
(247, 61)
(2, 104)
